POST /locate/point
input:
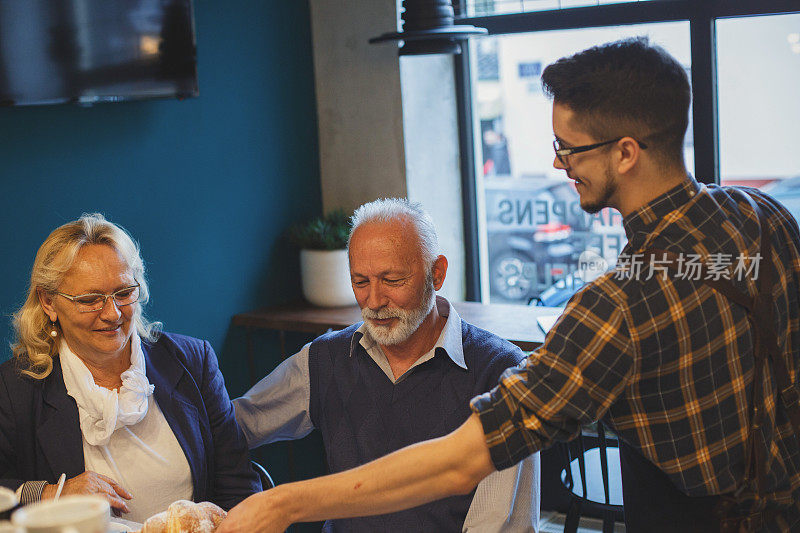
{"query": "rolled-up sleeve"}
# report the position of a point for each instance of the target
(570, 381)
(277, 407)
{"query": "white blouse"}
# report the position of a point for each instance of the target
(126, 437)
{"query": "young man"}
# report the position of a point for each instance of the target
(666, 349)
(405, 374)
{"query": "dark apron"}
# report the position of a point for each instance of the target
(652, 503)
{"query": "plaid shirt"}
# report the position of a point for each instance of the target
(666, 362)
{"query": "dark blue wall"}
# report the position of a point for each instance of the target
(207, 185)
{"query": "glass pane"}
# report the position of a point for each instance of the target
(532, 229)
(478, 8)
(758, 75)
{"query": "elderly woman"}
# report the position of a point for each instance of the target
(95, 392)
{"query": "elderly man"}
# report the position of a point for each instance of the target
(404, 375)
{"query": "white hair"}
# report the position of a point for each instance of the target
(400, 209)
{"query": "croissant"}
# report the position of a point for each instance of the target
(185, 517)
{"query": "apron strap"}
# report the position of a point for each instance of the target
(760, 314)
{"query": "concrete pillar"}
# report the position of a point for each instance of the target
(359, 102)
(387, 125)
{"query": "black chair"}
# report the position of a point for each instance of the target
(263, 476)
(582, 465)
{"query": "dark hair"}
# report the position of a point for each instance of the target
(626, 88)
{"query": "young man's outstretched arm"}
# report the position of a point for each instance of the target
(417, 474)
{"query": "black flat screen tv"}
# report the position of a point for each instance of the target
(89, 51)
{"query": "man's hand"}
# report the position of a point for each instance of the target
(93, 483)
(257, 514)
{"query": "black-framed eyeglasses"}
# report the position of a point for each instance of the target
(87, 303)
(563, 153)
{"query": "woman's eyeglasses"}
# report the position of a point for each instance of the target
(86, 303)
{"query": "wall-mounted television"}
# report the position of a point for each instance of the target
(89, 51)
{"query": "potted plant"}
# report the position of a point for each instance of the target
(324, 265)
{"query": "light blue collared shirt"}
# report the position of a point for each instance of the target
(277, 408)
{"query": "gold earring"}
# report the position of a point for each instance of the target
(53, 330)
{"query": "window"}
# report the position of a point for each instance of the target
(532, 236)
(533, 227)
(497, 7)
(758, 121)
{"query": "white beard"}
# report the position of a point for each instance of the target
(409, 321)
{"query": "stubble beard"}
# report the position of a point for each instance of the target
(409, 320)
(609, 189)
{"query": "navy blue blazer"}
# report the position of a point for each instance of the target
(40, 434)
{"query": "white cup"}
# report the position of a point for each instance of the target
(70, 514)
(8, 527)
(8, 499)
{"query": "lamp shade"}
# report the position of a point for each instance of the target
(428, 27)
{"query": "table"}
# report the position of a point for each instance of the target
(516, 323)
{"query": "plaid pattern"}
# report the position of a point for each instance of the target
(666, 362)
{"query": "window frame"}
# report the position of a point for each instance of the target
(701, 15)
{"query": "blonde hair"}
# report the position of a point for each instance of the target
(34, 347)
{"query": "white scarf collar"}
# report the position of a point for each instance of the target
(102, 411)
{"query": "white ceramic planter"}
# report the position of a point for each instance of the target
(326, 278)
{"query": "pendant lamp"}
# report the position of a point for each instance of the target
(428, 27)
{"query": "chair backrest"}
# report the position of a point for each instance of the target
(604, 453)
(263, 476)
